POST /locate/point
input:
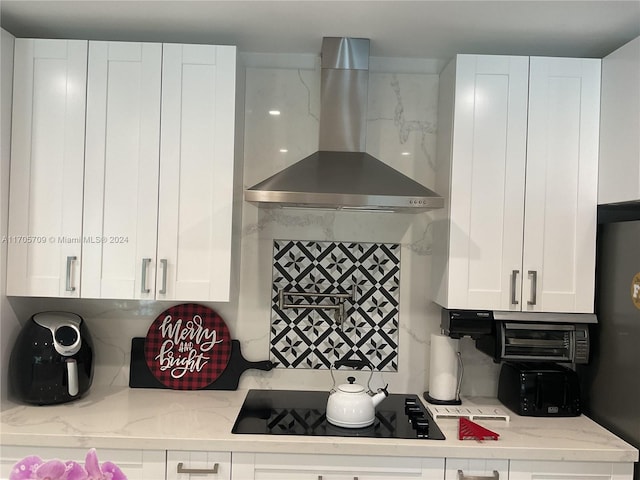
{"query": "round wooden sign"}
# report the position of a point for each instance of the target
(187, 347)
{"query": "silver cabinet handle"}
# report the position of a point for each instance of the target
(514, 277)
(143, 286)
(68, 286)
(534, 286)
(198, 471)
(163, 290)
(320, 477)
(462, 476)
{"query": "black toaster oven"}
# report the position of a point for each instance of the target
(524, 336)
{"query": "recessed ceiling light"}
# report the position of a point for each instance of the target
(274, 112)
(405, 154)
(283, 150)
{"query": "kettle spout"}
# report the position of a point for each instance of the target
(380, 396)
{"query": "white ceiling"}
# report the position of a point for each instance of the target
(424, 29)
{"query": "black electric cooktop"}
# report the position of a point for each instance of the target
(291, 412)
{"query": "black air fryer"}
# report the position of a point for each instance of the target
(52, 359)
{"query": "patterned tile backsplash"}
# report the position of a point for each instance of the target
(367, 275)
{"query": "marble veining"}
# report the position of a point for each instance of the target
(125, 418)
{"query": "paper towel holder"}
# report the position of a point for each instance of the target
(453, 401)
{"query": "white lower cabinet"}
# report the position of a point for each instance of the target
(545, 470)
(135, 464)
(182, 465)
(476, 469)
(262, 466)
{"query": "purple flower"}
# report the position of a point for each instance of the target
(33, 468)
(25, 468)
(108, 471)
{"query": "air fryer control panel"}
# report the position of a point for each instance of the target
(65, 330)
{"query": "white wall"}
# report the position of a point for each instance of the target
(8, 323)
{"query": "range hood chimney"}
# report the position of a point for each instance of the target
(342, 175)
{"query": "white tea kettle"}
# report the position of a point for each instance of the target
(349, 404)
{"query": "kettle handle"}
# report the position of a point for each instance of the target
(353, 363)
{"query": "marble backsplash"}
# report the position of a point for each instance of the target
(401, 131)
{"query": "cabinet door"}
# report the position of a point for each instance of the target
(196, 172)
(619, 167)
(487, 180)
(540, 470)
(460, 468)
(135, 464)
(47, 158)
(183, 465)
(561, 191)
(248, 466)
(121, 170)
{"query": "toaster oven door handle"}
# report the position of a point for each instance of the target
(462, 476)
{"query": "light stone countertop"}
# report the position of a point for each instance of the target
(155, 419)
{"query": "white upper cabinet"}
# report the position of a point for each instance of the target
(196, 172)
(619, 172)
(481, 165)
(156, 171)
(517, 156)
(121, 170)
(45, 218)
(558, 266)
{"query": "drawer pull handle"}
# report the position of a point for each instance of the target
(462, 476)
(320, 477)
(198, 471)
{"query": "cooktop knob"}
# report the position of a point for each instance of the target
(421, 425)
(412, 411)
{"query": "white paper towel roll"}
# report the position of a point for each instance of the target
(443, 368)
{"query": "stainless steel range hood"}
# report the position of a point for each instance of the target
(341, 175)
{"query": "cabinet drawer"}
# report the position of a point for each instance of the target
(476, 468)
(333, 467)
(184, 465)
(541, 470)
